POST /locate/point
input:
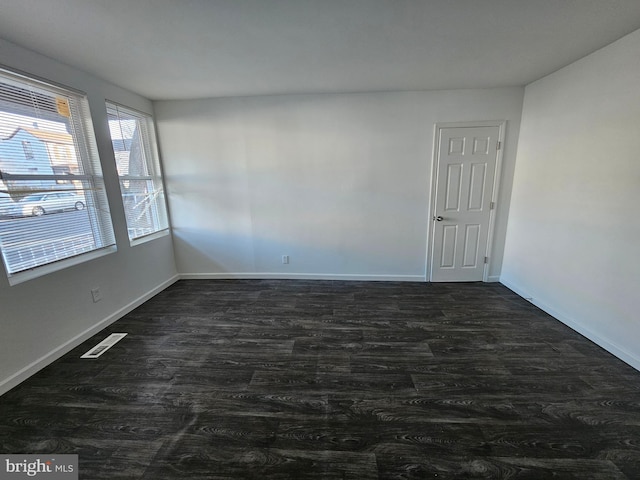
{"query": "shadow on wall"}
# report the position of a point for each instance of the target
(203, 252)
(226, 223)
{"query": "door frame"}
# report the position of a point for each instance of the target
(501, 124)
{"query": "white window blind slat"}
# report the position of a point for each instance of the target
(53, 204)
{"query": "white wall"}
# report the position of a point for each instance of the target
(573, 234)
(340, 183)
(43, 318)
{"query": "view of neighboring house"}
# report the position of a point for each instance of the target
(31, 151)
(60, 149)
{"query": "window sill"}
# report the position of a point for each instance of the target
(37, 272)
(149, 238)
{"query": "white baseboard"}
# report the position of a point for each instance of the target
(611, 347)
(21, 375)
(493, 278)
(302, 276)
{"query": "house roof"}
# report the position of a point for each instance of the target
(167, 49)
(45, 136)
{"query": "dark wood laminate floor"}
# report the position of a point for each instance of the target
(334, 380)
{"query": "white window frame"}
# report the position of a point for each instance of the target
(99, 218)
(157, 208)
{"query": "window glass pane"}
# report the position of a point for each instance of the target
(139, 170)
(52, 198)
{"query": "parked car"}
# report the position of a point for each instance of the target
(38, 204)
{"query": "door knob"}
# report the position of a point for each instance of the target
(439, 218)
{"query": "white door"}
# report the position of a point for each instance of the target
(465, 176)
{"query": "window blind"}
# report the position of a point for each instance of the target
(139, 171)
(52, 198)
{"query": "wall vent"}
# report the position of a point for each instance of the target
(104, 345)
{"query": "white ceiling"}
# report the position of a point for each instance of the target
(169, 49)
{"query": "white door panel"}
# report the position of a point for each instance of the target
(465, 172)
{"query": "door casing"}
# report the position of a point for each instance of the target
(501, 124)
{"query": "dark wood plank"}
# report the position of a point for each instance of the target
(333, 380)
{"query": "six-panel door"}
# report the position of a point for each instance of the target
(464, 186)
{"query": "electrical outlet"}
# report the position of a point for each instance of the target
(96, 294)
(285, 259)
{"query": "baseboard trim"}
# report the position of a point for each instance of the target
(302, 276)
(26, 372)
(493, 278)
(611, 347)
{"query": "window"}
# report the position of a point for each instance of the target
(62, 171)
(139, 171)
(55, 211)
(28, 151)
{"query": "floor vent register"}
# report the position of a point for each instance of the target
(104, 345)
